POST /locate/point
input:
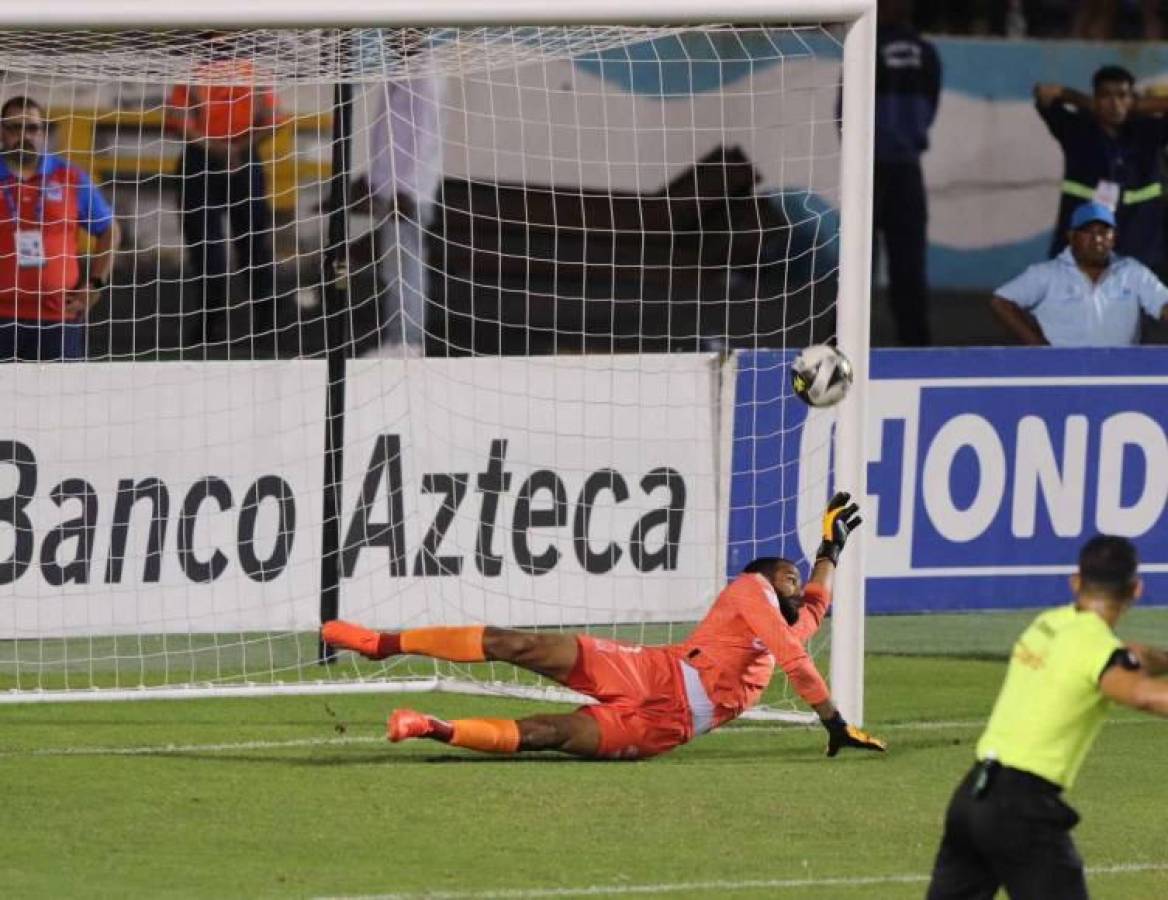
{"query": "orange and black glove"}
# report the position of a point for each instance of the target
(839, 520)
(840, 734)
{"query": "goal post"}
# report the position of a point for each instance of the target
(855, 286)
(614, 233)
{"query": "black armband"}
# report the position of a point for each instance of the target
(1123, 658)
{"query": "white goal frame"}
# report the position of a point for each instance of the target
(859, 53)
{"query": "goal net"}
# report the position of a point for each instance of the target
(407, 325)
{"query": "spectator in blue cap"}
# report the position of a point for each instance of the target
(1087, 296)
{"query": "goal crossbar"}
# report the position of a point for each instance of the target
(145, 14)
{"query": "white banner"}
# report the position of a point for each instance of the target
(176, 498)
(159, 497)
(555, 490)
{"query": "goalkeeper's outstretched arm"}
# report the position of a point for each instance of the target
(787, 644)
(840, 519)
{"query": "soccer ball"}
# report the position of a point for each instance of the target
(821, 375)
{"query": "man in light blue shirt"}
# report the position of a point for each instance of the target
(1087, 296)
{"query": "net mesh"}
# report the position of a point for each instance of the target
(561, 248)
(326, 56)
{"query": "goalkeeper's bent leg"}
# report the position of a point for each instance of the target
(453, 644)
(552, 655)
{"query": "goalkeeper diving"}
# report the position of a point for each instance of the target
(650, 699)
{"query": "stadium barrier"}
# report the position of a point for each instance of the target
(987, 470)
(186, 498)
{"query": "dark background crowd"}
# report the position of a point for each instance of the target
(1099, 20)
(1101, 284)
(449, 267)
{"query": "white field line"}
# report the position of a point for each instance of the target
(159, 749)
(704, 887)
(293, 743)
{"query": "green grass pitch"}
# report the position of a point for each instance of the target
(266, 798)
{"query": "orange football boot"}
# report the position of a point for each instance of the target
(405, 724)
(349, 636)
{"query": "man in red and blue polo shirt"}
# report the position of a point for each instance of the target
(46, 289)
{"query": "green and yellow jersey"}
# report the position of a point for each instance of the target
(1050, 707)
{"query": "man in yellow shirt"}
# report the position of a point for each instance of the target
(1006, 824)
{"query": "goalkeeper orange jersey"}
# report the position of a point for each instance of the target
(736, 647)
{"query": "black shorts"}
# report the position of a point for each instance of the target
(1015, 833)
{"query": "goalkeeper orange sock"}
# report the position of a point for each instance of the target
(459, 644)
(486, 735)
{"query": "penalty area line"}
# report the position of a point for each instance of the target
(769, 884)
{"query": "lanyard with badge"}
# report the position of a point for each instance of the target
(1107, 191)
(30, 243)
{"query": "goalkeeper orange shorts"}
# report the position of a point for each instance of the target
(643, 709)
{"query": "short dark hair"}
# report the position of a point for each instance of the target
(766, 565)
(1107, 566)
(1106, 74)
(21, 101)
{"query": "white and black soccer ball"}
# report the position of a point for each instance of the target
(821, 375)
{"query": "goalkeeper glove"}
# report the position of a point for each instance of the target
(840, 734)
(839, 520)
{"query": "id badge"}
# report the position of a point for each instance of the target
(30, 249)
(1107, 193)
